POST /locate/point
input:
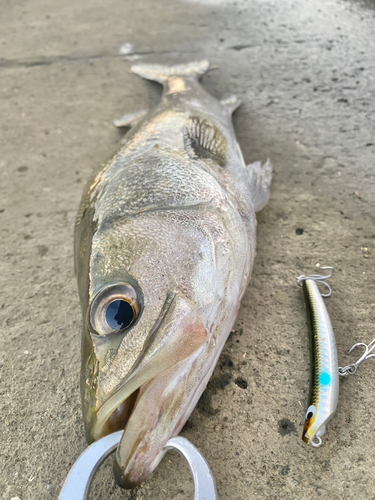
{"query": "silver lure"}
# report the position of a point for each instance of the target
(324, 380)
(164, 247)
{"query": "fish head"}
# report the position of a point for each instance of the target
(160, 288)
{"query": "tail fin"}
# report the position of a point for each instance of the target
(160, 73)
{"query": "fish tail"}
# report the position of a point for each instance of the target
(160, 73)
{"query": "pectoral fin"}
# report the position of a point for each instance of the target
(203, 140)
(260, 177)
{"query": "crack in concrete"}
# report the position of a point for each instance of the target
(48, 60)
(242, 47)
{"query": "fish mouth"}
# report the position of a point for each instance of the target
(126, 416)
(118, 419)
(153, 421)
(121, 418)
(162, 407)
(153, 402)
(150, 416)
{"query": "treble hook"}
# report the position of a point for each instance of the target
(351, 369)
(319, 278)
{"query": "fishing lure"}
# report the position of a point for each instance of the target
(324, 380)
(325, 372)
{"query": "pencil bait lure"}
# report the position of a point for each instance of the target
(324, 380)
(325, 372)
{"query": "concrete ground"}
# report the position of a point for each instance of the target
(305, 71)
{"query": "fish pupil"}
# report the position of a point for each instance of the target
(119, 314)
(309, 415)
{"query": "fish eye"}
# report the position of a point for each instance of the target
(115, 307)
(311, 410)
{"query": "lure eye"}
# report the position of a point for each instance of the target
(311, 410)
(116, 307)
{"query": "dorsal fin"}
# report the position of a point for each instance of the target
(160, 73)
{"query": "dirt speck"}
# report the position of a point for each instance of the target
(241, 382)
(285, 470)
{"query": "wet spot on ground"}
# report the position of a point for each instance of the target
(286, 427)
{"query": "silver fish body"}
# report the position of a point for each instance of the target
(164, 248)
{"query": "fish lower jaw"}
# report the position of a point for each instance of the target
(122, 479)
(135, 473)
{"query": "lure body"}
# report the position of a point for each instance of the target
(324, 381)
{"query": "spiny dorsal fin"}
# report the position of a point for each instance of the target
(160, 73)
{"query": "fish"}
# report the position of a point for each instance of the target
(165, 241)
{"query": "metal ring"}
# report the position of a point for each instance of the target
(327, 285)
(204, 484)
(77, 483)
(318, 278)
(347, 370)
(316, 443)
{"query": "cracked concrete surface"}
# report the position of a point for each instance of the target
(305, 71)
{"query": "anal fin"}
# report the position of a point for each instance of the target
(260, 177)
(130, 119)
